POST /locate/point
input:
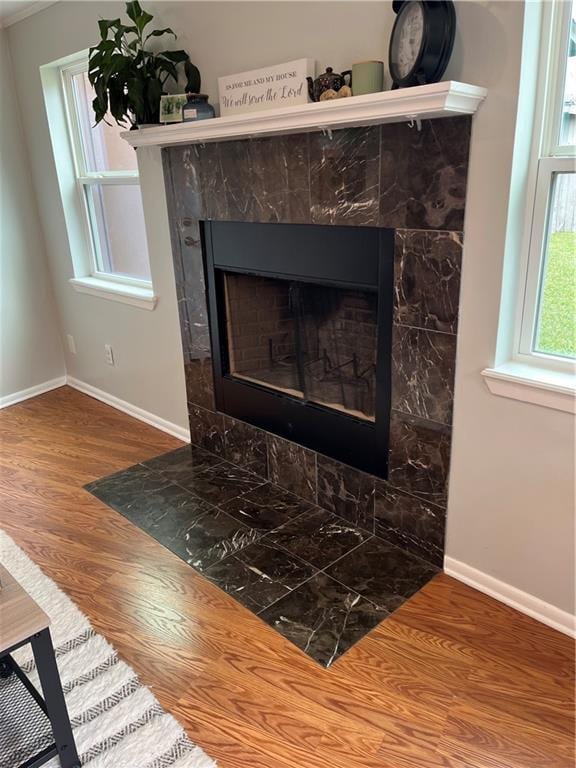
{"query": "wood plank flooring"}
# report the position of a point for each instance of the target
(454, 679)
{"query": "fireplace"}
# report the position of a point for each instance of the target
(301, 321)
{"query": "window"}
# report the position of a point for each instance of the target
(110, 202)
(547, 334)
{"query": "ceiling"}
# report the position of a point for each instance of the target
(12, 11)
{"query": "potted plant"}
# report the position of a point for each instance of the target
(127, 76)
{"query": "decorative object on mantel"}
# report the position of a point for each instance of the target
(128, 77)
(425, 102)
(329, 81)
(367, 77)
(330, 94)
(282, 85)
(171, 107)
(421, 41)
(197, 108)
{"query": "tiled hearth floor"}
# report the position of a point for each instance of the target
(309, 574)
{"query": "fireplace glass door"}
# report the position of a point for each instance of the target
(310, 341)
(301, 333)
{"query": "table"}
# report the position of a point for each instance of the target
(22, 621)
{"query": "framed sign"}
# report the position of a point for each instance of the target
(268, 88)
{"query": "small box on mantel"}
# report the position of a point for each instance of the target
(273, 87)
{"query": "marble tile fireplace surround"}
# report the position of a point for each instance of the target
(319, 549)
(392, 176)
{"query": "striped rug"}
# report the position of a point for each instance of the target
(116, 720)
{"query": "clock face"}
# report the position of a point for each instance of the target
(408, 38)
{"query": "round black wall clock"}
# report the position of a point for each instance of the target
(421, 41)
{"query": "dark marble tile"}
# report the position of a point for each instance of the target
(236, 163)
(183, 462)
(193, 311)
(183, 182)
(427, 267)
(344, 176)
(260, 574)
(410, 523)
(120, 489)
(210, 538)
(214, 195)
(419, 457)
(266, 507)
(347, 492)
(423, 364)
(192, 261)
(319, 537)
(200, 382)
(292, 467)
(280, 179)
(220, 483)
(193, 318)
(206, 429)
(174, 226)
(191, 286)
(423, 174)
(383, 573)
(323, 618)
(166, 514)
(150, 501)
(246, 445)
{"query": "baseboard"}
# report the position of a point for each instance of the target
(515, 598)
(26, 394)
(131, 410)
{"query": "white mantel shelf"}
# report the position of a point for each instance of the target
(421, 102)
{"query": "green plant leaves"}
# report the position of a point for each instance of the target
(193, 79)
(105, 25)
(169, 70)
(176, 56)
(139, 17)
(118, 100)
(153, 94)
(159, 33)
(128, 79)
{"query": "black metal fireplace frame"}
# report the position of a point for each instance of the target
(345, 257)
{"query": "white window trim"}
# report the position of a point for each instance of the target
(528, 298)
(87, 278)
(540, 379)
(115, 291)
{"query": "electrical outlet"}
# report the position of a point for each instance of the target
(71, 344)
(108, 354)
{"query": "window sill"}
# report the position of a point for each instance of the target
(539, 386)
(143, 298)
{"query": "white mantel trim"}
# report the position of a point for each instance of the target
(421, 102)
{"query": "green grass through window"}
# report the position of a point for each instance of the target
(557, 327)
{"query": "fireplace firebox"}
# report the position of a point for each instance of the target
(301, 321)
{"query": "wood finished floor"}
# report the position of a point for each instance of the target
(453, 679)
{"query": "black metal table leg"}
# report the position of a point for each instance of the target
(54, 699)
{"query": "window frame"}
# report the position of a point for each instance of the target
(548, 157)
(85, 178)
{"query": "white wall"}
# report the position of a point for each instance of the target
(511, 502)
(30, 348)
